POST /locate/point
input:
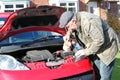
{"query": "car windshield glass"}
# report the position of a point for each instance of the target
(29, 36)
(2, 21)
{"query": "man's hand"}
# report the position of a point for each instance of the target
(67, 37)
(67, 42)
(80, 55)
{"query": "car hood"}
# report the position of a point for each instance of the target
(30, 19)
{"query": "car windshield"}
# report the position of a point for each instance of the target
(2, 21)
(29, 36)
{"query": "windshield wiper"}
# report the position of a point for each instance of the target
(42, 39)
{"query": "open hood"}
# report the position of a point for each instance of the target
(32, 18)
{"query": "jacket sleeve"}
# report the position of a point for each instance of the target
(93, 30)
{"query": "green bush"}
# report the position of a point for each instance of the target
(114, 22)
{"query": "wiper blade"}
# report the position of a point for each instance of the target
(42, 39)
(48, 38)
(34, 41)
(53, 36)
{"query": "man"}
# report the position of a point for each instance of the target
(96, 37)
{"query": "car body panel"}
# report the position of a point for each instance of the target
(41, 72)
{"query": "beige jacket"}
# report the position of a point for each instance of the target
(98, 37)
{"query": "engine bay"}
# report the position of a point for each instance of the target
(52, 56)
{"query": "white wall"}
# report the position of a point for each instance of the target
(57, 3)
(14, 3)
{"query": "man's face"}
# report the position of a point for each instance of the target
(71, 25)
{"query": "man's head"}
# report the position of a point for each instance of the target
(66, 20)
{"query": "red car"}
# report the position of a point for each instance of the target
(30, 39)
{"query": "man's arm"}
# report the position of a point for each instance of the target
(95, 32)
